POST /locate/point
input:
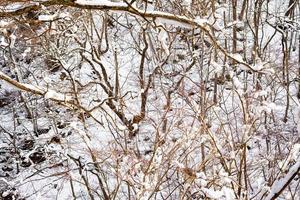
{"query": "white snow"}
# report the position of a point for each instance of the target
(51, 94)
(295, 153)
(4, 24)
(48, 17)
(279, 184)
(217, 67)
(125, 162)
(237, 57)
(160, 20)
(214, 194)
(163, 38)
(3, 42)
(237, 83)
(200, 21)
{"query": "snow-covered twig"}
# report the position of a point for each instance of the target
(279, 185)
(47, 93)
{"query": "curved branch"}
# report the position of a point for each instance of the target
(176, 20)
(58, 97)
(47, 93)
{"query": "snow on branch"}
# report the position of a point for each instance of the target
(13, 8)
(178, 20)
(47, 93)
(279, 185)
(168, 18)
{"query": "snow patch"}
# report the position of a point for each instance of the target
(51, 94)
(48, 17)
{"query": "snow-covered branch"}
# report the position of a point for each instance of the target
(177, 20)
(279, 185)
(47, 93)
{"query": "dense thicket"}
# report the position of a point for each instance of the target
(178, 99)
